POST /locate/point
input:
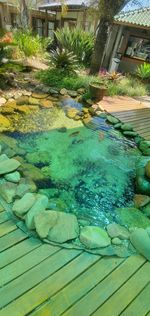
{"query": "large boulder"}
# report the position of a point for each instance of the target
(8, 191)
(94, 237)
(147, 169)
(44, 222)
(8, 166)
(141, 241)
(22, 100)
(38, 157)
(39, 206)
(143, 185)
(127, 127)
(4, 123)
(72, 112)
(146, 210)
(34, 101)
(115, 230)
(144, 146)
(25, 185)
(112, 119)
(66, 227)
(141, 200)
(132, 217)
(13, 177)
(22, 206)
(46, 104)
(31, 172)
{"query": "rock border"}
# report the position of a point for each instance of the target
(64, 229)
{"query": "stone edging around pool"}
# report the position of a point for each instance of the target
(64, 229)
(59, 227)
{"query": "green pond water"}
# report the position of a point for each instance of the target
(88, 171)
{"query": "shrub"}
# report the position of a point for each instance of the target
(127, 86)
(63, 60)
(57, 78)
(78, 41)
(29, 44)
(143, 71)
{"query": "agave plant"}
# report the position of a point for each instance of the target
(143, 71)
(78, 41)
(64, 60)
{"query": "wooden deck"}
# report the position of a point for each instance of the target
(129, 110)
(42, 280)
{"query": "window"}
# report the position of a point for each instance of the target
(38, 26)
(14, 20)
(138, 48)
(51, 29)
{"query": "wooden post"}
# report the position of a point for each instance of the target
(46, 24)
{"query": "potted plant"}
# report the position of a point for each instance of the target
(97, 90)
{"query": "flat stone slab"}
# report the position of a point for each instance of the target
(115, 230)
(65, 228)
(8, 166)
(38, 207)
(23, 205)
(94, 237)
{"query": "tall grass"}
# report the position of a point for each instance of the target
(129, 86)
(29, 44)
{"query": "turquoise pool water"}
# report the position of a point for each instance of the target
(87, 171)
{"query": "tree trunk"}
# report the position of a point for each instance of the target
(108, 9)
(24, 15)
(99, 46)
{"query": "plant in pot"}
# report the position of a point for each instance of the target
(97, 90)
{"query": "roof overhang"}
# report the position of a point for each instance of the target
(58, 6)
(132, 25)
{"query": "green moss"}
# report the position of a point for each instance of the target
(132, 217)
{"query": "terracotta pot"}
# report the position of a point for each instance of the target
(97, 91)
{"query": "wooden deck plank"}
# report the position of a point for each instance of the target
(11, 239)
(28, 261)
(101, 293)
(3, 217)
(31, 278)
(126, 293)
(39, 294)
(78, 287)
(140, 304)
(7, 227)
(23, 247)
(129, 110)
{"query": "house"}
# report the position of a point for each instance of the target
(76, 14)
(42, 23)
(129, 39)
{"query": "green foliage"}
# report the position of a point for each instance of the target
(29, 44)
(127, 86)
(57, 78)
(143, 71)
(60, 79)
(80, 42)
(63, 60)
